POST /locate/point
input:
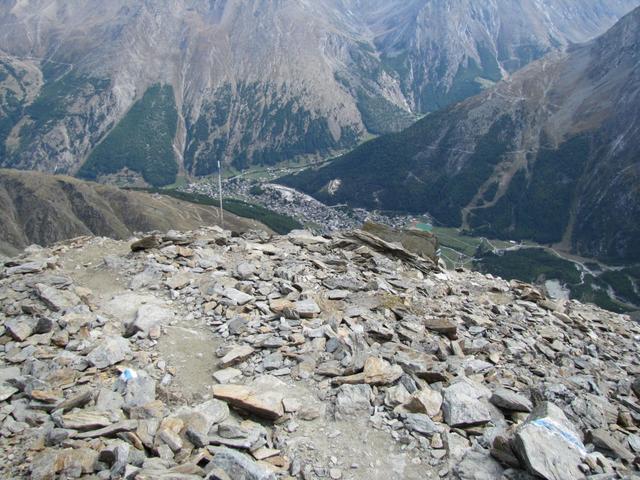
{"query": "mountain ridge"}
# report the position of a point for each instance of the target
(41, 209)
(557, 137)
(257, 83)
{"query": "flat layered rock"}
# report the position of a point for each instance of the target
(35, 266)
(261, 401)
(604, 441)
(226, 375)
(443, 326)
(86, 420)
(240, 298)
(55, 299)
(7, 391)
(236, 355)
(306, 308)
(509, 400)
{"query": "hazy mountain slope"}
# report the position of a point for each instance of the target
(44, 209)
(258, 81)
(551, 154)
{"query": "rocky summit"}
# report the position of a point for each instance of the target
(207, 354)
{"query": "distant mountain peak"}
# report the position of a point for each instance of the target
(256, 82)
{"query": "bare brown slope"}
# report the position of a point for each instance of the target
(44, 209)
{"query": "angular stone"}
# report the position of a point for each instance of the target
(68, 463)
(109, 352)
(306, 308)
(237, 355)
(421, 423)
(203, 418)
(169, 433)
(426, 401)
(478, 466)
(7, 391)
(146, 243)
(148, 320)
(150, 276)
(76, 401)
(153, 409)
(20, 328)
(442, 326)
(43, 325)
(278, 305)
(353, 400)
(43, 465)
(635, 387)
(110, 430)
(508, 400)
(8, 373)
(380, 372)
(396, 395)
(266, 403)
(240, 298)
(291, 404)
(246, 270)
(338, 294)
(422, 365)
(273, 361)
(137, 391)
(226, 375)
(548, 444)
(231, 435)
(214, 411)
(463, 406)
(238, 465)
(36, 266)
(55, 299)
(85, 420)
(46, 396)
(179, 281)
(604, 441)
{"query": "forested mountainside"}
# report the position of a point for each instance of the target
(550, 154)
(169, 87)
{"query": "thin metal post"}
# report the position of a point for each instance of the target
(220, 192)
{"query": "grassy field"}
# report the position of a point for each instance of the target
(454, 244)
(535, 265)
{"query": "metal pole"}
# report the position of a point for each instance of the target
(220, 192)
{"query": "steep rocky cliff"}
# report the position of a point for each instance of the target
(550, 155)
(251, 82)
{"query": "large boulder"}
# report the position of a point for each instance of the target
(237, 465)
(548, 444)
(149, 320)
(465, 404)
